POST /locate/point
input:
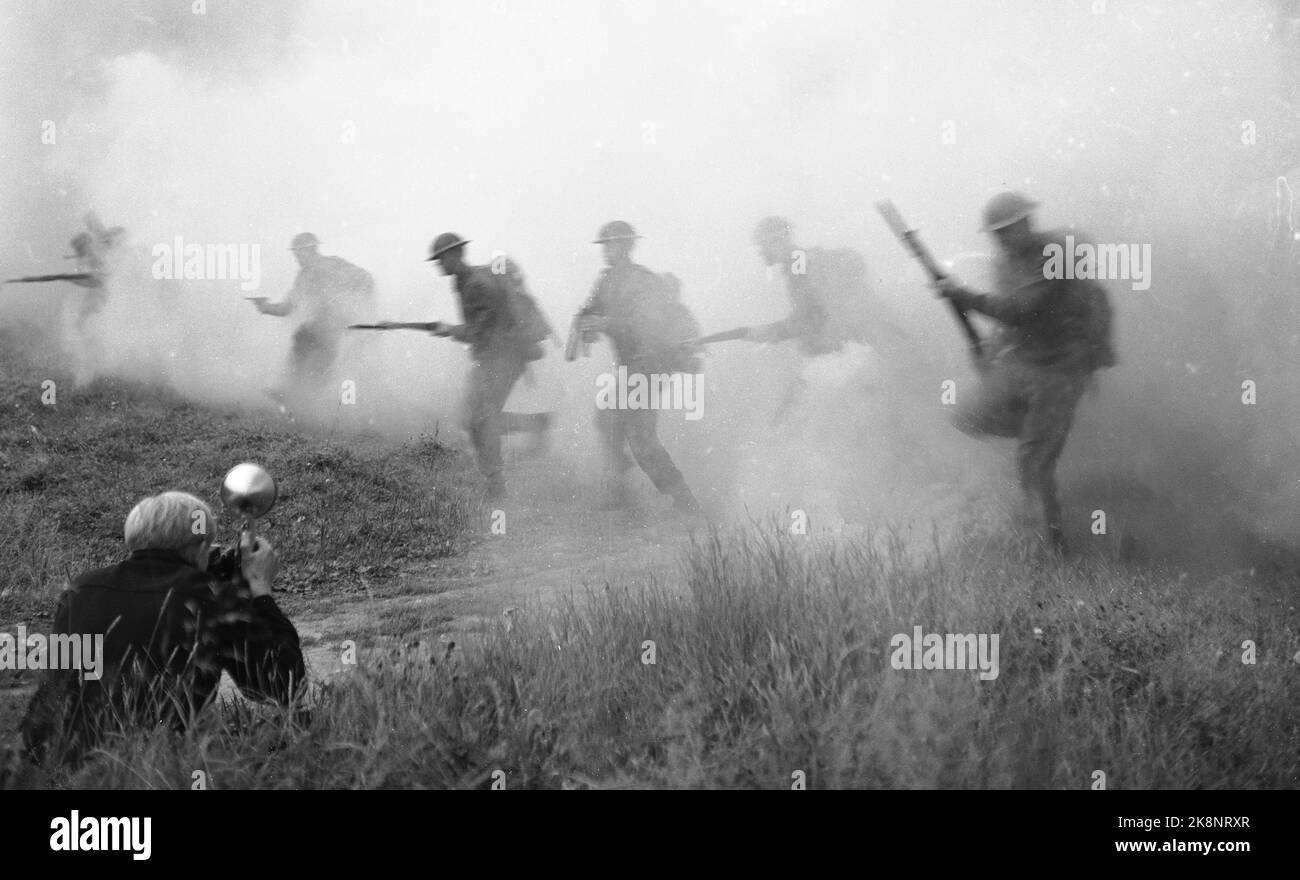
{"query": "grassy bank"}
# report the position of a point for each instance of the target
(774, 660)
(352, 509)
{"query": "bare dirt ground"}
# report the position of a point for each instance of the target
(547, 552)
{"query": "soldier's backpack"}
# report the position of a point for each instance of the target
(842, 288)
(529, 325)
(676, 323)
(1100, 317)
(844, 293)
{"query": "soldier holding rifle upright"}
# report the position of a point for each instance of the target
(1055, 333)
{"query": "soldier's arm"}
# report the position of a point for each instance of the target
(285, 306)
(255, 644)
(278, 310)
(806, 319)
(485, 311)
(595, 305)
(1019, 306)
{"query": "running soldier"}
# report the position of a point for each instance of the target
(95, 252)
(504, 330)
(328, 293)
(1055, 332)
(831, 295)
(640, 313)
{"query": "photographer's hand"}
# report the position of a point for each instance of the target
(259, 563)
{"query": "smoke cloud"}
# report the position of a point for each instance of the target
(524, 126)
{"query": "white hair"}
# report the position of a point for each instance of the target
(170, 521)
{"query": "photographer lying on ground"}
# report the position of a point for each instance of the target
(174, 615)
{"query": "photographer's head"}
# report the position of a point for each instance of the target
(175, 521)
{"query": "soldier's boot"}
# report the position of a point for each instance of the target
(1056, 540)
(1051, 508)
(684, 501)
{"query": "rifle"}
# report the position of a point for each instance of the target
(577, 339)
(428, 326)
(724, 336)
(75, 277)
(912, 241)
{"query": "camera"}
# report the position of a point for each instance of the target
(225, 564)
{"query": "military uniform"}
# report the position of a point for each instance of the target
(636, 303)
(833, 313)
(500, 358)
(830, 296)
(329, 293)
(1054, 334)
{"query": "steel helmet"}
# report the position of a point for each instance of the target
(615, 230)
(772, 228)
(444, 243)
(81, 244)
(1006, 208)
(302, 241)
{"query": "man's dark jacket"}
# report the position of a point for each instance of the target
(169, 632)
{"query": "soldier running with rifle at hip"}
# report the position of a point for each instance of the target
(504, 329)
(91, 250)
(830, 293)
(94, 251)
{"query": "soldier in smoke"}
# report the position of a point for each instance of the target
(93, 251)
(1055, 332)
(638, 310)
(91, 254)
(328, 293)
(504, 329)
(833, 307)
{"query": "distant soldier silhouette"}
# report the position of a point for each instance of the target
(504, 330)
(327, 294)
(830, 292)
(1055, 332)
(94, 250)
(640, 312)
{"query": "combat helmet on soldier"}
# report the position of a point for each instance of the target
(82, 243)
(1006, 208)
(443, 243)
(772, 229)
(616, 230)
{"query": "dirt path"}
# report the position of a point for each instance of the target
(547, 552)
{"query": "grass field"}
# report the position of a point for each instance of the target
(770, 660)
(352, 509)
(775, 662)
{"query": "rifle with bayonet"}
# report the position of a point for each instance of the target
(912, 241)
(724, 336)
(427, 326)
(85, 279)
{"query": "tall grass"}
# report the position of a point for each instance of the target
(771, 660)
